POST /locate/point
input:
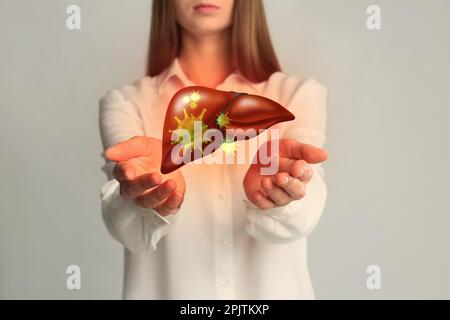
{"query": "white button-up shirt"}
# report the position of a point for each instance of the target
(218, 245)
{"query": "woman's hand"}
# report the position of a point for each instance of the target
(137, 169)
(290, 182)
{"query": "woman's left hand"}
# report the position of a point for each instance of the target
(289, 184)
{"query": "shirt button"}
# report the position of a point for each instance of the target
(225, 283)
(223, 241)
(222, 195)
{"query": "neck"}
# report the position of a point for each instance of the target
(206, 59)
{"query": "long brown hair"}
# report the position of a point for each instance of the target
(252, 50)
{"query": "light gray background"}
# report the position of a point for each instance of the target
(388, 174)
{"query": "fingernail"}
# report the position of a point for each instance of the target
(179, 194)
(285, 180)
(107, 153)
(308, 169)
(128, 175)
(302, 171)
(172, 184)
(157, 178)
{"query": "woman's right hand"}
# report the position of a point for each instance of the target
(137, 169)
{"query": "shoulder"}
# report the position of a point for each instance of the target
(137, 93)
(284, 87)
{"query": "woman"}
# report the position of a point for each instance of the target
(212, 231)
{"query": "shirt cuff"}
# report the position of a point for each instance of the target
(276, 225)
(293, 221)
(138, 229)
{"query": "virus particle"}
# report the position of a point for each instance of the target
(229, 146)
(194, 100)
(194, 105)
(223, 120)
(195, 96)
(188, 123)
(186, 99)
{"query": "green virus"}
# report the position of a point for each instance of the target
(223, 120)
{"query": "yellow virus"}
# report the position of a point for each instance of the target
(192, 100)
(229, 146)
(188, 123)
(195, 96)
(194, 105)
(186, 99)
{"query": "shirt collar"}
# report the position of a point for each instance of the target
(175, 75)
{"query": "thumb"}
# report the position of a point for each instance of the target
(309, 153)
(135, 147)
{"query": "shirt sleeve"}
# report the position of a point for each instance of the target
(297, 219)
(138, 229)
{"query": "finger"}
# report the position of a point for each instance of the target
(302, 170)
(297, 168)
(124, 171)
(132, 189)
(291, 185)
(153, 198)
(262, 202)
(307, 173)
(134, 147)
(307, 152)
(312, 154)
(286, 164)
(171, 205)
(274, 192)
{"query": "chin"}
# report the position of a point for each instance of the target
(211, 28)
(209, 24)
